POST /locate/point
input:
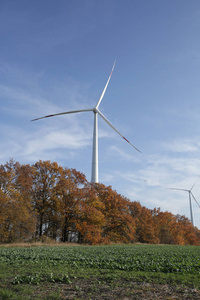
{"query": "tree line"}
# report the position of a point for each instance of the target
(45, 200)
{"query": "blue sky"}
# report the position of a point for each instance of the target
(57, 55)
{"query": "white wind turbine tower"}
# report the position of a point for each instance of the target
(96, 111)
(191, 195)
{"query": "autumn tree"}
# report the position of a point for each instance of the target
(4, 217)
(17, 218)
(119, 225)
(164, 222)
(146, 231)
(69, 192)
(45, 199)
(184, 232)
(91, 219)
(45, 178)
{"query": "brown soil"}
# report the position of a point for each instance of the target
(126, 289)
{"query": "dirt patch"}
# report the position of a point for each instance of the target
(127, 289)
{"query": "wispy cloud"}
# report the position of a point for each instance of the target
(20, 101)
(183, 145)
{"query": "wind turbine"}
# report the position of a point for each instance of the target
(96, 111)
(191, 195)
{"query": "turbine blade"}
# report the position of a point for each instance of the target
(195, 199)
(64, 113)
(194, 183)
(106, 120)
(101, 97)
(178, 189)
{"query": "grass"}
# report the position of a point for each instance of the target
(60, 272)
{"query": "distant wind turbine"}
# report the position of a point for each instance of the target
(96, 111)
(191, 195)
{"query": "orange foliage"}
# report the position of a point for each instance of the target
(91, 219)
(17, 220)
(119, 225)
(46, 199)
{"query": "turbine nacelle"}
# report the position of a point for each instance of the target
(95, 110)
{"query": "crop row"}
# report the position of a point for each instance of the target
(149, 258)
